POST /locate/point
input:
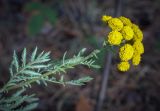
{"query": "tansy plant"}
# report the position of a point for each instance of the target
(40, 68)
(128, 37)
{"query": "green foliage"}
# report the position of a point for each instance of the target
(80, 81)
(40, 68)
(35, 24)
(50, 15)
(15, 101)
(43, 14)
(27, 70)
(33, 6)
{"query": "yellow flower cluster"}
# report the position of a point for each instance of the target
(128, 37)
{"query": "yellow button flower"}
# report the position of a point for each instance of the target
(134, 26)
(115, 24)
(126, 52)
(127, 33)
(115, 38)
(105, 18)
(125, 21)
(138, 47)
(136, 59)
(138, 35)
(123, 66)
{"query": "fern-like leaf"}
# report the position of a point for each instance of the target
(80, 81)
(15, 101)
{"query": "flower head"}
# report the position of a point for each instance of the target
(123, 66)
(138, 35)
(136, 59)
(138, 47)
(105, 18)
(126, 52)
(115, 38)
(115, 24)
(134, 26)
(127, 32)
(125, 21)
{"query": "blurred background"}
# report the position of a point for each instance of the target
(70, 25)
